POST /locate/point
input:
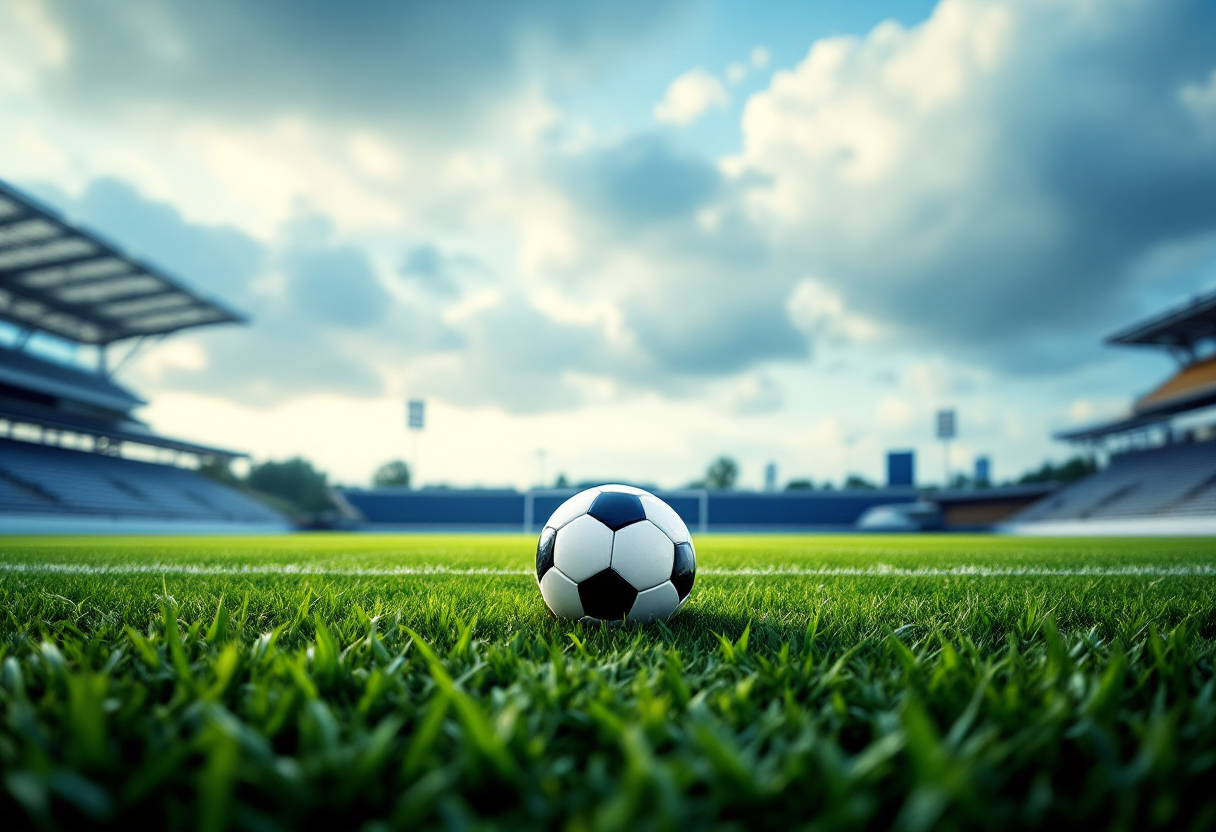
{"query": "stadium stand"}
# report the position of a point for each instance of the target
(1160, 478)
(980, 509)
(396, 509)
(1170, 480)
(68, 431)
(45, 479)
(388, 509)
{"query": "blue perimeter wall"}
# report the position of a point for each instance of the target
(398, 508)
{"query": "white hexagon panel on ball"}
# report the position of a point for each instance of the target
(655, 604)
(561, 594)
(643, 554)
(665, 517)
(582, 548)
(573, 508)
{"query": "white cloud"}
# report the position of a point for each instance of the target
(186, 355)
(690, 96)
(1083, 411)
(1200, 99)
(948, 183)
(30, 43)
(820, 312)
(753, 395)
(374, 157)
(894, 412)
(943, 184)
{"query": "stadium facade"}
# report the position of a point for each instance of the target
(401, 509)
(1161, 471)
(74, 456)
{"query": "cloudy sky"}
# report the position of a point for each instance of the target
(634, 235)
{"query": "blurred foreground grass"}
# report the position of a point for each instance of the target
(267, 701)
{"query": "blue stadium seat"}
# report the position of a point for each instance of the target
(40, 479)
(1171, 481)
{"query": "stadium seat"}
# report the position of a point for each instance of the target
(1169, 481)
(43, 479)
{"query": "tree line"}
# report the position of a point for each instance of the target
(298, 488)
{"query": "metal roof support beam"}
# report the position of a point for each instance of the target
(49, 266)
(9, 223)
(72, 260)
(139, 344)
(1181, 327)
(1184, 354)
(37, 231)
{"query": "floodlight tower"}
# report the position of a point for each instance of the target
(416, 421)
(947, 429)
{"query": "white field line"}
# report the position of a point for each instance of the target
(962, 571)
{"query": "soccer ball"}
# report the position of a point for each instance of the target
(615, 553)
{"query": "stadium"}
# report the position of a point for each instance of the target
(77, 458)
(837, 241)
(73, 444)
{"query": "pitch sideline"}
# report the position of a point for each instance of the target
(961, 571)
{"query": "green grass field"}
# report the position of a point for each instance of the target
(418, 682)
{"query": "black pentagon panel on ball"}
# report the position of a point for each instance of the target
(685, 570)
(544, 552)
(616, 510)
(607, 596)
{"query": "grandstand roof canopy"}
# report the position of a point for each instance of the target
(20, 371)
(1190, 388)
(1181, 327)
(993, 494)
(65, 280)
(1105, 429)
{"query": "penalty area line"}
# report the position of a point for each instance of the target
(879, 570)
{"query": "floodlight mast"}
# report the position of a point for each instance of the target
(947, 428)
(416, 420)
